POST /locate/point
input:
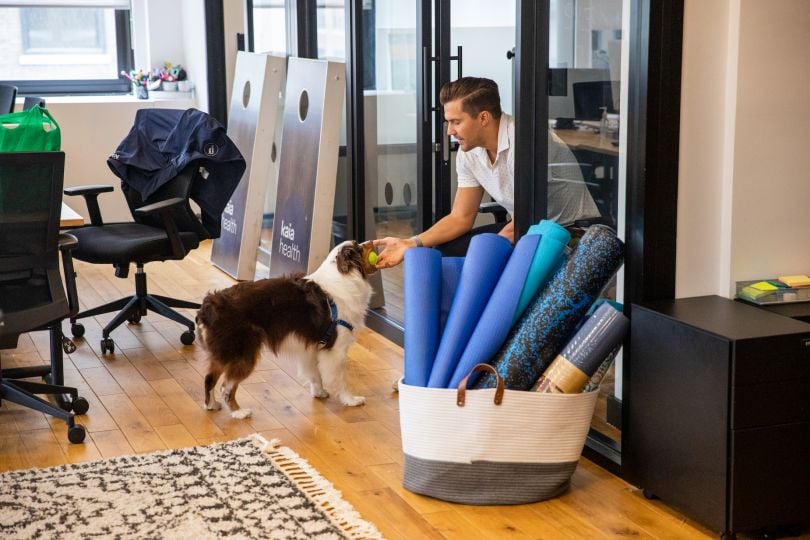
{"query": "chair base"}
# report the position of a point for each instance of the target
(25, 393)
(134, 307)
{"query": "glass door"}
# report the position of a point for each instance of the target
(415, 47)
(587, 58)
(390, 128)
(474, 38)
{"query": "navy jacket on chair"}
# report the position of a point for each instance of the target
(163, 142)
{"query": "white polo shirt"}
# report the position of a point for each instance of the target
(498, 179)
(568, 196)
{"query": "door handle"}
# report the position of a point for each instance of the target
(445, 143)
(510, 53)
(426, 60)
(457, 58)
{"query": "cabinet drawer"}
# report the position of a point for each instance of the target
(769, 404)
(770, 479)
(771, 359)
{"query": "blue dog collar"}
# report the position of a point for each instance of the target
(334, 322)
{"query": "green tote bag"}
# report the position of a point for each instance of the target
(33, 130)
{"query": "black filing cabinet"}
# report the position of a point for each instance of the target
(717, 418)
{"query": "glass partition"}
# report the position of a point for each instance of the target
(587, 87)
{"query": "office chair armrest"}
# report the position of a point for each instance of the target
(164, 208)
(495, 209)
(90, 194)
(67, 243)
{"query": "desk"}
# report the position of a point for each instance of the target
(70, 218)
(590, 148)
(585, 139)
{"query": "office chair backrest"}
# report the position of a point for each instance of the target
(183, 216)
(31, 291)
(7, 96)
(31, 101)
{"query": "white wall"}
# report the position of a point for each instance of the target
(742, 211)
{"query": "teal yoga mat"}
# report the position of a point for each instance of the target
(483, 265)
(548, 258)
(422, 282)
(496, 320)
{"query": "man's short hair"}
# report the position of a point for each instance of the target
(476, 93)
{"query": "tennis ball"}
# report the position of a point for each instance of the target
(372, 258)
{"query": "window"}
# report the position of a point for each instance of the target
(53, 47)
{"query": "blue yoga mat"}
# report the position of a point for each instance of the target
(552, 318)
(422, 282)
(495, 322)
(485, 260)
(547, 259)
(451, 274)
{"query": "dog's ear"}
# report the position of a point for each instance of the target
(350, 257)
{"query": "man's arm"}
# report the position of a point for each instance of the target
(508, 231)
(458, 222)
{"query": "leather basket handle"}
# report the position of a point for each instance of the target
(461, 397)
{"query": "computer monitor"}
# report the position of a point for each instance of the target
(561, 104)
(591, 97)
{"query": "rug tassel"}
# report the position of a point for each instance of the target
(318, 489)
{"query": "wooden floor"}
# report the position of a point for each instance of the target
(148, 396)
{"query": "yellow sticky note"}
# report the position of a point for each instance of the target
(763, 286)
(799, 280)
(752, 293)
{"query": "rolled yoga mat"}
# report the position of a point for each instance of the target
(422, 282)
(551, 319)
(451, 274)
(547, 259)
(483, 265)
(602, 332)
(496, 320)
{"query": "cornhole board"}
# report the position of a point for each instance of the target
(251, 125)
(305, 196)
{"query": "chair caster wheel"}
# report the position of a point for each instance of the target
(80, 405)
(76, 433)
(107, 345)
(649, 494)
(135, 318)
(77, 329)
(187, 337)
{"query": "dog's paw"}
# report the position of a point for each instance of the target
(241, 414)
(213, 406)
(322, 394)
(352, 401)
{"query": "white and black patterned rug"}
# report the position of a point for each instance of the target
(248, 488)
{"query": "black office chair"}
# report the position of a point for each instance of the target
(165, 226)
(31, 293)
(32, 101)
(7, 96)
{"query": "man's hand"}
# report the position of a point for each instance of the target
(393, 250)
(509, 231)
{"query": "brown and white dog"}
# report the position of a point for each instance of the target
(315, 317)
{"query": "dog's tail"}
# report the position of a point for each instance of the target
(207, 314)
